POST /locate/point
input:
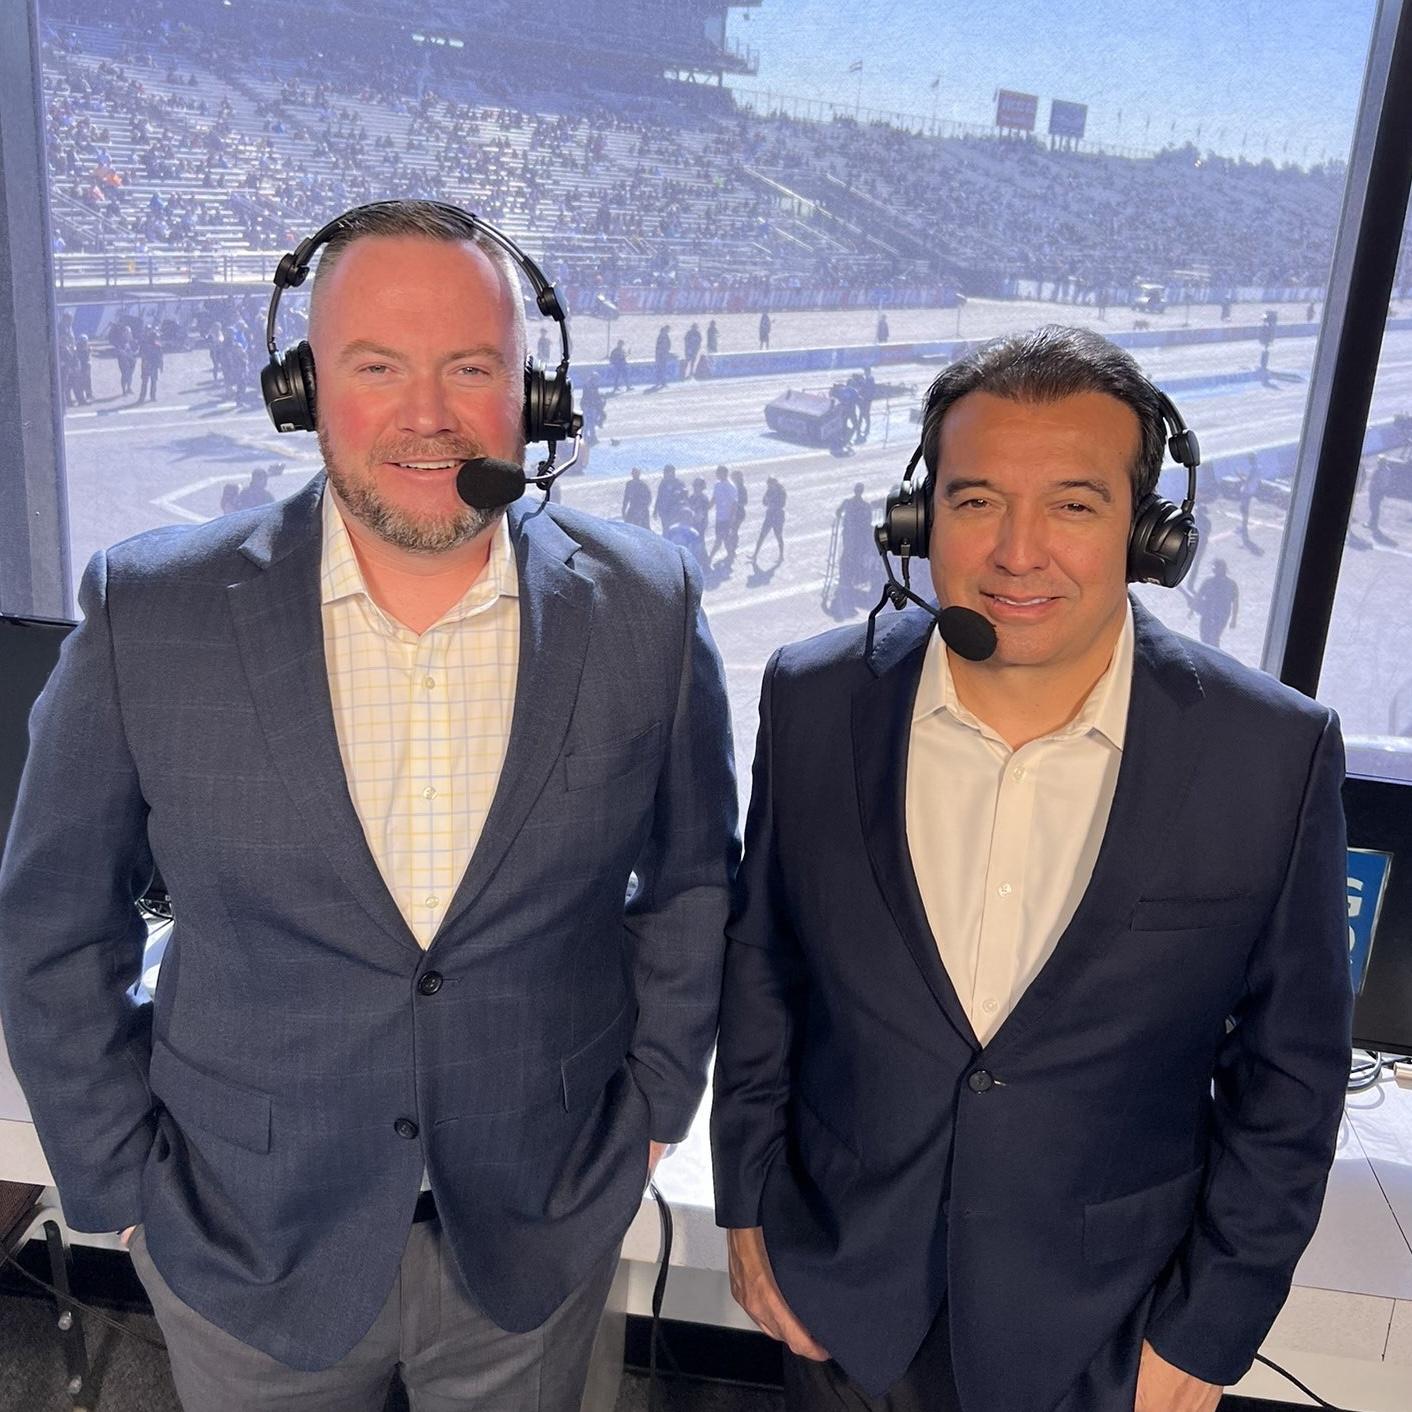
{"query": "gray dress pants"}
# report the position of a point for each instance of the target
(452, 1357)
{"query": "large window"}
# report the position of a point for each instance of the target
(788, 239)
(1367, 670)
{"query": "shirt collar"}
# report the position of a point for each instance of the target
(341, 576)
(1105, 709)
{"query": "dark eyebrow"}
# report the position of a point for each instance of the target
(1096, 486)
(960, 483)
(360, 346)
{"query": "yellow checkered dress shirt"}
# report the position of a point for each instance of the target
(422, 720)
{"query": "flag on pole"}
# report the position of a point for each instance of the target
(856, 67)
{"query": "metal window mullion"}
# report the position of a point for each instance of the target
(34, 521)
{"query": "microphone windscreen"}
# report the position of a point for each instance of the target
(966, 633)
(488, 484)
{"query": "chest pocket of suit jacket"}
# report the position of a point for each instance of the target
(1154, 1218)
(589, 765)
(1191, 914)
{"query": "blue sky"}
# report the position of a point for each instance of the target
(1284, 75)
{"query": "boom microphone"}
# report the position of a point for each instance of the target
(967, 633)
(486, 483)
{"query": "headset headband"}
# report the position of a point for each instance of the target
(1181, 443)
(293, 269)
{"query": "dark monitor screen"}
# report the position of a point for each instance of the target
(1379, 814)
(29, 648)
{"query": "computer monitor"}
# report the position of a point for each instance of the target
(1379, 814)
(29, 648)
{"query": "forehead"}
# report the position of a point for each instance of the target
(415, 284)
(1092, 432)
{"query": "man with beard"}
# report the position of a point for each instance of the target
(412, 1057)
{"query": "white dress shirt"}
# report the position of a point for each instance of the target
(1003, 842)
(422, 719)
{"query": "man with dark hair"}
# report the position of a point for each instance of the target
(1033, 1048)
(412, 1055)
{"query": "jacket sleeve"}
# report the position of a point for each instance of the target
(71, 940)
(1278, 1099)
(763, 981)
(676, 917)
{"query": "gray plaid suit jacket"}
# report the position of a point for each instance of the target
(268, 1117)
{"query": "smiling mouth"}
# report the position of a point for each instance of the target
(426, 465)
(1009, 602)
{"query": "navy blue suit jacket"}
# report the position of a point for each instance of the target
(1156, 1118)
(251, 1117)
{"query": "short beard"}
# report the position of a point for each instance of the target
(360, 497)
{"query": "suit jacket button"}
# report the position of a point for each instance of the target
(980, 1081)
(405, 1127)
(430, 983)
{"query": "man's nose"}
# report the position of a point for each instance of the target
(425, 408)
(1022, 544)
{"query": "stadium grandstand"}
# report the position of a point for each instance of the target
(193, 143)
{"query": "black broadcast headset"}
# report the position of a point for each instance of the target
(287, 380)
(1162, 541)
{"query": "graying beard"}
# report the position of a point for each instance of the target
(399, 529)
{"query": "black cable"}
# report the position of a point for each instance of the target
(79, 1304)
(1365, 1073)
(1285, 1373)
(659, 1290)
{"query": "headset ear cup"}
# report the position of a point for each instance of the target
(534, 401)
(549, 405)
(274, 388)
(305, 387)
(565, 418)
(907, 519)
(287, 385)
(1161, 544)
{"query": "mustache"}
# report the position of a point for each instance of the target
(404, 451)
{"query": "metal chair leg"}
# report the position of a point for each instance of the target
(70, 1329)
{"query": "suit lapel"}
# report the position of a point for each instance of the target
(882, 726)
(279, 629)
(1159, 753)
(556, 608)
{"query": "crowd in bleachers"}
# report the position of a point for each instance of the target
(1017, 207)
(160, 138)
